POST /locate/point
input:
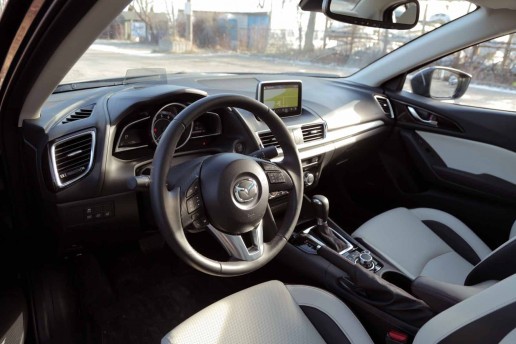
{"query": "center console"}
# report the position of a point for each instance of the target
(320, 249)
(311, 239)
(382, 294)
(310, 244)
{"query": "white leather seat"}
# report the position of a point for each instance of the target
(272, 312)
(426, 242)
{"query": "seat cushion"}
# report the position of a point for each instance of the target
(424, 242)
(331, 317)
(487, 317)
(270, 313)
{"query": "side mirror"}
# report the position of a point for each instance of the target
(387, 14)
(440, 83)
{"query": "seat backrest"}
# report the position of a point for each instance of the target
(13, 316)
(487, 317)
(496, 266)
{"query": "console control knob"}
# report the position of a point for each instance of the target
(366, 260)
(309, 178)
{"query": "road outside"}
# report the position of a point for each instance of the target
(108, 59)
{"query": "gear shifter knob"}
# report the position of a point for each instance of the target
(321, 207)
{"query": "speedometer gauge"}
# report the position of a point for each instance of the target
(163, 118)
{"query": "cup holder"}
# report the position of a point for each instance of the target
(398, 279)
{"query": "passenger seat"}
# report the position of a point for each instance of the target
(432, 243)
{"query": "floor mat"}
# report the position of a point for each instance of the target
(152, 293)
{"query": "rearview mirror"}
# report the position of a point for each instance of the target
(440, 83)
(387, 14)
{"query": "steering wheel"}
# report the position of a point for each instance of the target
(228, 193)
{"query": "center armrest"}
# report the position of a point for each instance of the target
(442, 295)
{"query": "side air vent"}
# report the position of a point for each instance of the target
(385, 104)
(268, 139)
(72, 157)
(78, 114)
(312, 132)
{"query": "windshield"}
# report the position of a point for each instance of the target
(244, 36)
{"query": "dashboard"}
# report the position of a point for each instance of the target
(88, 144)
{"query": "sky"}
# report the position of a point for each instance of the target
(281, 9)
(448, 7)
(282, 18)
(225, 6)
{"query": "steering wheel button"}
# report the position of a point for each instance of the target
(193, 204)
(276, 177)
(197, 216)
(269, 167)
(200, 223)
(193, 188)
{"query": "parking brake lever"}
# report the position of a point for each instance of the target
(376, 291)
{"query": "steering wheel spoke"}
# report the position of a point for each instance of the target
(245, 247)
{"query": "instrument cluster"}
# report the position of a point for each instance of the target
(144, 130)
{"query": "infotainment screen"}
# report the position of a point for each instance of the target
(284, 97)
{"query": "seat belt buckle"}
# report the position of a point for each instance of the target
(396, 337)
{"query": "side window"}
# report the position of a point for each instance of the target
(492, 66)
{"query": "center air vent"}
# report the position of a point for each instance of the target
(385, 104)
(312, 132)
(72, 157)
(268, 139)
(81, 113)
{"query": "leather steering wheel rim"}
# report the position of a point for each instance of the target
(166, 199)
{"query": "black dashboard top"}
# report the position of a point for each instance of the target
(126, 121)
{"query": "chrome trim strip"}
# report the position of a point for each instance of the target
(310, 164)
(291, 130)
(154, 120)
(55, 173)
(391, 114)
(334, 140)
(118, 149)
(341, 136)
(235, 245)
(320, 243)
(418, 118)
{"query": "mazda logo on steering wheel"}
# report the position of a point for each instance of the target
(245, 190)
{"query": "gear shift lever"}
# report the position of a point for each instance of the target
(322, 207)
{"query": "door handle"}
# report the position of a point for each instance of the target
(418, 118)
